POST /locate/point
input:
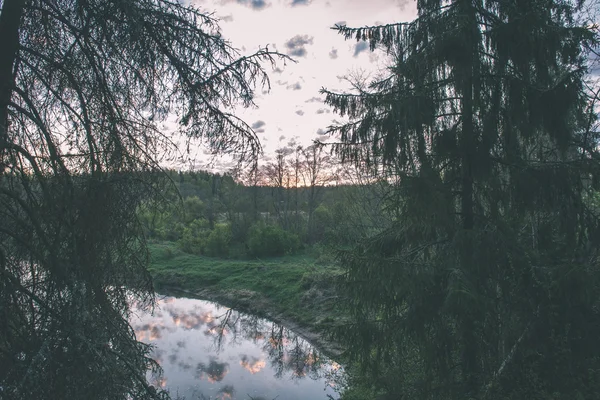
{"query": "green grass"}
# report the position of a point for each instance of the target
(295, 287)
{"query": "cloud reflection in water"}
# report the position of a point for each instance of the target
(208, 349)
(252, 364)
(214, 371)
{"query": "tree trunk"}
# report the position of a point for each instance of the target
(10, 20)
(467, 145)
(469, 358)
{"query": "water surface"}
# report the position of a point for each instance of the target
(208, 351)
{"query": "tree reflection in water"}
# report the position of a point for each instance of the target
(286, 351)
(206, 348)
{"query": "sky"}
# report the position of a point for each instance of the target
(292, 112)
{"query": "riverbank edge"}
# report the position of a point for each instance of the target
(311, 333)
(309, 305)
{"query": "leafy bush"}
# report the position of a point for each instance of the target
(161, 222)
(171, 231)
(217, 242)
(195, 234)
(270, 240)
(240, 225)
(193, 208)
(322, 222)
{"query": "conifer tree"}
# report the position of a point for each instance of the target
(85, 87)
(485, 285)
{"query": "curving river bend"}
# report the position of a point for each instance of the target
(208, 351)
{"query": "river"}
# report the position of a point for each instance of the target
(208, 351)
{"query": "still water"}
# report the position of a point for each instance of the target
(208, 351)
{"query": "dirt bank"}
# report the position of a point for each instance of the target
(253, 302)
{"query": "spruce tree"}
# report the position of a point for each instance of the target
(484, 284)
(85, 87)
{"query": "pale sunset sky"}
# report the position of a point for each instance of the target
(293, 113)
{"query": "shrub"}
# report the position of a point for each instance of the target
(194, 236)
(240, 225)
(321, 223)
(169, 230)
(193, 208)
(217, 242)
(270, 240)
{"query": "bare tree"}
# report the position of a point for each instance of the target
(278, 177)
(316, 173)
(296, 166)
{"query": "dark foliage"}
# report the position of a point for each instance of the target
(485, 283)
(266, 240)
(84, 87)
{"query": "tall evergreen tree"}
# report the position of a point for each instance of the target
(485, 284)
(84, 89)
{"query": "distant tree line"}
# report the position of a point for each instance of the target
(299, 199)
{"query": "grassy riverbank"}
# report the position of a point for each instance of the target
(296, 289)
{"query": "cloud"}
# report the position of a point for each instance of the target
(300, 3)
(214, 371)
(314, 100)
(281, 138)
(254, 4)
(333, 54)
(252, 364)
(286, 150)
(189, 320)
(258, 124)
(401, 3)
(323, 110)
(227, 391)
(296, 45)
(295, 86)
(322, 135)
(360, 47)
(373, 57)
(300, 112)
(184, 366)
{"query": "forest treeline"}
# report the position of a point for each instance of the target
(261, 214)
